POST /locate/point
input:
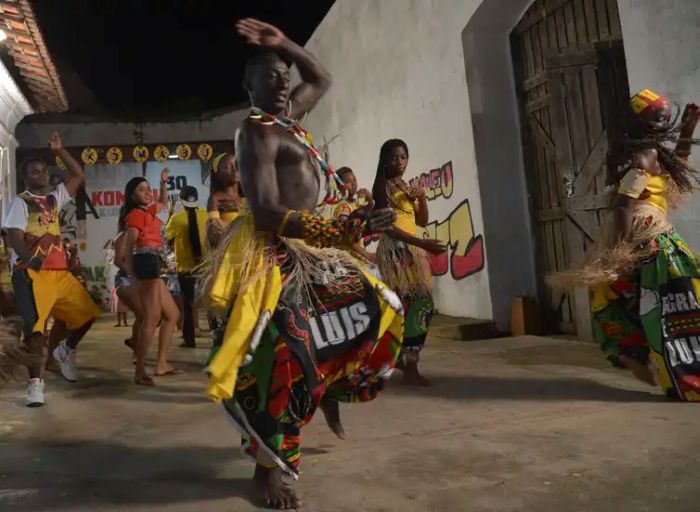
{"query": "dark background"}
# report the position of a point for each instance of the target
(160, 59)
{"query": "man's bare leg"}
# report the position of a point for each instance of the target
(408, 364)
(272, 490)
(331, 411)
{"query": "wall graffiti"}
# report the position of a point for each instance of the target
(465, 255)
(437, 183)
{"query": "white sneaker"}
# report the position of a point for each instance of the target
(66, 359)
(35, 393)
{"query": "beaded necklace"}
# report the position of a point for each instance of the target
(333, 181)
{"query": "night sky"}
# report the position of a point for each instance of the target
(161, 59)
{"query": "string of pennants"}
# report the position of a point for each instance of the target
(161, 153)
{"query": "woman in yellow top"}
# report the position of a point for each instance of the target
(402, 256)
(645, 281)
(223, 207)
(353, 200)
(225, 198)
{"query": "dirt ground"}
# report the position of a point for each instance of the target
(516, 424)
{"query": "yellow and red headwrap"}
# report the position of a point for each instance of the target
(647, 100)
(215, 163)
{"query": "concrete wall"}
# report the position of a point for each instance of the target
(662, 48)
(222, 127)
(13, 107)
(499, 158)
(398, 69)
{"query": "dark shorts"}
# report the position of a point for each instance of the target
(147, 265)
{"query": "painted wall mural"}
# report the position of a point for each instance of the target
(465, 254)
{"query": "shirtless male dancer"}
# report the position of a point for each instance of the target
(306, 327)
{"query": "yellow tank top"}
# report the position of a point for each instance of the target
(405, 214)
(228, 217)
(639, 184)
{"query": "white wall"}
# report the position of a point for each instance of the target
(662, 48)
(13, 107)
(398, 70)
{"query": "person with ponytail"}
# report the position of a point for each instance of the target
(143, 246)
(187, 231)
(402, 256)
(642, 275)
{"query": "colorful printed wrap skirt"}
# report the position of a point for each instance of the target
(654, 316)
(406, 270)
(305, 323)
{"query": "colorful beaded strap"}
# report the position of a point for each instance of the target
(333, 181)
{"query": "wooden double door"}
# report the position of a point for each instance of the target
(570, 77)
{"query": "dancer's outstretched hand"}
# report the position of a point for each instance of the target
(55, 142)
(691, 114)
(433, 246)
(259, 33)
(381, 220)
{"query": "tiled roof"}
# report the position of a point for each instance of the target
(25, 44)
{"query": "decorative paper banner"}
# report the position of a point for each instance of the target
(89, 156)
(161, 153)
(114, 155)
(140, 154)
(60, 163)
(184, 151)
(204, 152)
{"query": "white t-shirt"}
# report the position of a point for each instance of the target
(18, 216)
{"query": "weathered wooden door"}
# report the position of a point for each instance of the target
(570, 75)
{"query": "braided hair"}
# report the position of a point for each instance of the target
(633, 133)
(380, 189)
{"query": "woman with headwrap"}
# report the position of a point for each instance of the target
(644, 279)
(143, 246)
(224, 206)
(225, 199)
(402, 256)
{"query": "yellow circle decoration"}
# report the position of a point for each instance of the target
(183, 151)
(114, 155)
(60, 163)
(161, 153)
(204, 152)
(89, 156)
(140, 154)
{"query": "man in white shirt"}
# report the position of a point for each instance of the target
(41, 279)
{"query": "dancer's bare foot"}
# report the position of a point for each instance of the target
(163, 369)
(331, 410)
(415, 379)
(411, 375)
(143, 380)
(641, 371)
(273, 491)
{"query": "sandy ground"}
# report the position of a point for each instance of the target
(517, 424)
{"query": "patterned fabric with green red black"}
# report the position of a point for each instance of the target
(654, 317)
(323, 343)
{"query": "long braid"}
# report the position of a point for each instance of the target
(634, 134)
